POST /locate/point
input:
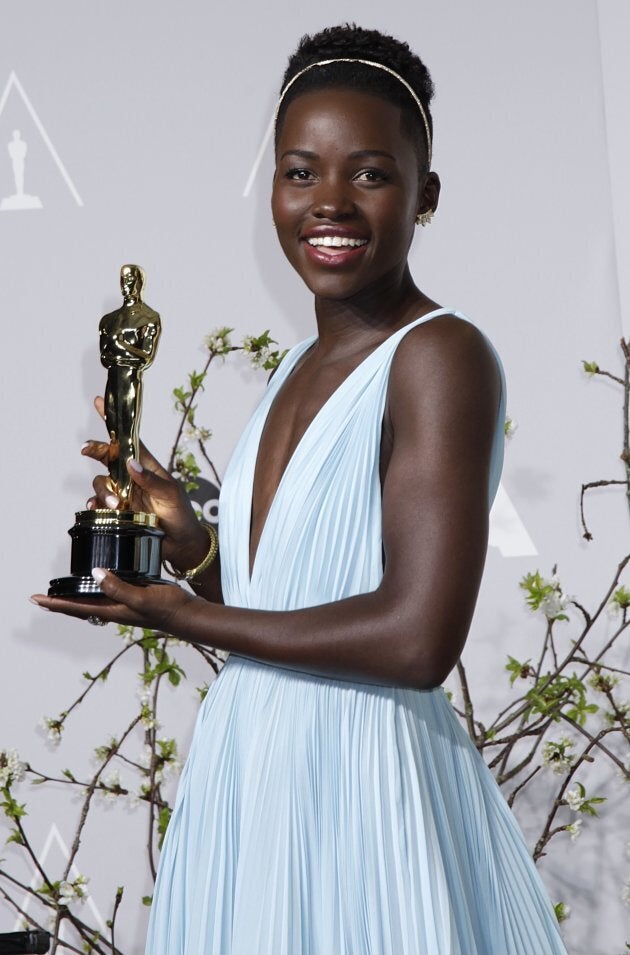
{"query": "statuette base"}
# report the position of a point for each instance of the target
(126, 542)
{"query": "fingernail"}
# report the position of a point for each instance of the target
(135, 465)
(90, 505)
(98, 574)
(112, 501)
(85, 445)
(37, 603)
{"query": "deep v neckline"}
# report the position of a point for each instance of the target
(303, 349)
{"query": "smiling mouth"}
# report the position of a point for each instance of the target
(334, 245)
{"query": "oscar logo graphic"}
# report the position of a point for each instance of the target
(26, 151)
(17, 150)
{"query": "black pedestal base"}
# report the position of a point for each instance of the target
(127, 542)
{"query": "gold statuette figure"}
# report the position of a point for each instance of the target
(123, 540)
(129, 339)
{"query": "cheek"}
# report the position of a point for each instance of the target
(286, 207)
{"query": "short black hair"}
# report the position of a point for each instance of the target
(349, 40)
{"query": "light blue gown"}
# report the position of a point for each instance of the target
(326, 817)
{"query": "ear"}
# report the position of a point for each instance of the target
(429, 193)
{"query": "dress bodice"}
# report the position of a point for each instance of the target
(322, 537)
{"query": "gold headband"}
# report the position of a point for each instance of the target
(378, 66)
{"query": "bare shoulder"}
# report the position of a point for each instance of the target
(448, 341)
(445, 364)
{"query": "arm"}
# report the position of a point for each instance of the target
(149, 333)
(443, 399)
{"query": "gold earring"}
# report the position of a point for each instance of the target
(424, 218)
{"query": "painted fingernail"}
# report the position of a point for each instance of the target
(98, 574)
(112, 501)
(135, 465)
(37, 603)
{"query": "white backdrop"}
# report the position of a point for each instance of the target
(142, 123)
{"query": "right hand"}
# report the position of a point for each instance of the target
(155, 491)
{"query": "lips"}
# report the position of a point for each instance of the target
(334, 247)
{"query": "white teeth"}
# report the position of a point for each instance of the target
(337, 241)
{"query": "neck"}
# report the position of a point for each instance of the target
(372, 314)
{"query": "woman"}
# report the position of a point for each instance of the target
(331, 803)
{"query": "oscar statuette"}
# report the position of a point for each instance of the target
(122, 540)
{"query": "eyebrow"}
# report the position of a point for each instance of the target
(358, 154)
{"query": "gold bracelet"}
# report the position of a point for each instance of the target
(213, 550)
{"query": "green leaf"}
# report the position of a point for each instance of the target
(196, 380)
(590, 367)
(12, 808)
(621, 597)
(560, 695)
(164, 817)
(517, 670)
(562, 911)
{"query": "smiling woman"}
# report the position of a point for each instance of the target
(331, 803)
(347, 170)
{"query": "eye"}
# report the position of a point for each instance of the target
(298, 174)
(371, 175)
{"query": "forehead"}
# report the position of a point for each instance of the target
(337, 117)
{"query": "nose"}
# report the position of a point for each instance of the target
(332, 200)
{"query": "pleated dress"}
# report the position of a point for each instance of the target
(318, 816)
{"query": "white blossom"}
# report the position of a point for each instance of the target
(556, 602)
(11, 769)
(73, 891)
(143, 692)
(133, 800)
(555, 755)
(128, 636)
(111, 782)
(53, 727)
(196, 434)
(574, 829)
(574, 799)
(101, 753)
(218, 341)
(145, 756)
(258, 356)
(511, 426)
(147, 718)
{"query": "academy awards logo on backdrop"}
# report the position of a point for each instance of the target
(15, 152)
(205, 500)
(55, 851)
(507, 531)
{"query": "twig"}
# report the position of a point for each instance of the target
(587, 487)
(117, 901)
